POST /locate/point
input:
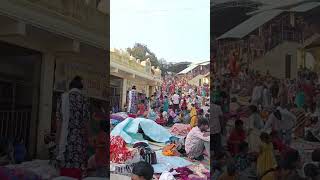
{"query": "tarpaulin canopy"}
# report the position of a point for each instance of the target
(128, 130)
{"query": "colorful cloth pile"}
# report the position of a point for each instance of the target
(41, 168)
(119, 153)
(179, 129)
(119, 116)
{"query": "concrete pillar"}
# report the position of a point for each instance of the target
(35, 105)
(124, 92)
(45, 103)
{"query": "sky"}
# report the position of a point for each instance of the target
(176, 30)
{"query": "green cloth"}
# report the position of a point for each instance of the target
(166, 105)
(300, 99)
(216, 96)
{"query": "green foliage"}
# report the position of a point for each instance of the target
(142, 52)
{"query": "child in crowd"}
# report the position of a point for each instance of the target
(20, 151)
(142, 171)
(266, 159)
(234, 105)
(160, 120)
(141, 108)
(193, 115)
(242, 161)
(152, 115)
(171, 116)
(237, 136)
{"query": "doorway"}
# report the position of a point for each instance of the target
(288, 66)
(19, 94)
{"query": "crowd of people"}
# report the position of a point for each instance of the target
(177, 102)
(263, 124)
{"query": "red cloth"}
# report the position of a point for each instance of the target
(119, 153)
(184, 104)
(132, 115)
(141, 109)
(161, 121)
(236, 137)
(71, 172)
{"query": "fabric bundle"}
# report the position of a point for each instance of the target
(179, 129)
(119, 153)
(117, 117)
(183, 173)
(170, 150)
(17, 174)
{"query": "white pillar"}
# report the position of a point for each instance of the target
(124, 92)
(45, 103)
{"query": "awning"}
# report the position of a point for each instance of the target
(250, 25)
(205, 63)
(188, 69)
(305, 7)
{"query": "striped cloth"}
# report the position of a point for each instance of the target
(302, 121)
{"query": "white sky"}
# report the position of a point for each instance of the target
(176, 30)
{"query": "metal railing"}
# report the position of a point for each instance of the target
(15, 124)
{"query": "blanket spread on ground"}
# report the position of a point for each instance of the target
(165, 163)
(128, 129)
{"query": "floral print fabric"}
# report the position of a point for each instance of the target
(119, 153)
(77, 141)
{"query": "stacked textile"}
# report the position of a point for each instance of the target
(179, 129)
(119, 153)
(42, 168)
(119, 116)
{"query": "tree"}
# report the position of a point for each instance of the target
(142, 52)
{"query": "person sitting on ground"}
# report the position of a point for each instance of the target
(20, 151)
(181, 117)
(237, 136)
(198, 140)
(99, 161)
(234, 106)
(160, 120)
(312, 171)
(142, 171)
(242, 160)
(152, 115)
(290, 163)
(141, 108)
(251, 171)
(200, 113)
